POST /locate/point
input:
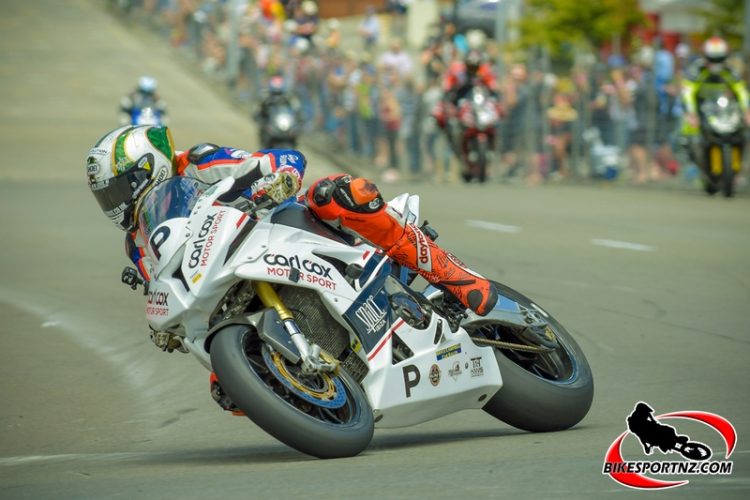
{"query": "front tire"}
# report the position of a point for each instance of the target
(727, 174)
(541, 392)
(481, 165)
(284, 402)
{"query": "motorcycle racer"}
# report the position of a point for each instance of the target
(144, 95)
(126, 162)
(711, 72)
(461, 76)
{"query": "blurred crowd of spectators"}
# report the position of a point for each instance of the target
(372, 96)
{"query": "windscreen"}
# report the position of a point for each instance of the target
(174, 197)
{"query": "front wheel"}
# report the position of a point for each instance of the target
(325, 415)
(544, 391)
(727, 172)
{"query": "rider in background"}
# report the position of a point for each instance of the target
(463, 75)
(143, 96)
(709, 73)
(275, 95)
(459, 79)
(125, 163)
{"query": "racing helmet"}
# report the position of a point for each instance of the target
(715, 50)
(147, 84)
(123, 164)
(472, 61)
(276, 84)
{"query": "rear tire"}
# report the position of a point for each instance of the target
(533, 399)
(237, 358)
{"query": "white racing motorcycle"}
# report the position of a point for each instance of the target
(318, 339)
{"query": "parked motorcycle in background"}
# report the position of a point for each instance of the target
(721, 141)
(478, 118)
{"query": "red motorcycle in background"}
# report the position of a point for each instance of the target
(478, 117)
(470, 126)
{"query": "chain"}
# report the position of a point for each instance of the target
(510, 345)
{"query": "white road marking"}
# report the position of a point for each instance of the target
(86, 334)
(493, 226)
(624, 245)
(11, 461)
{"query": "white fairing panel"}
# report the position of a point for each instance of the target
(439, 379)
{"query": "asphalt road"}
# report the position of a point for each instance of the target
(653, 284)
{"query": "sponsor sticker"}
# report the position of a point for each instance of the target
(203, 244)
(157, 303)
(448, 351)
(455, 370)
(476, 367)
(435, 375)
(371, 314)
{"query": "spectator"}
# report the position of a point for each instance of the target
(643, 99)
(515, 100)
(349, 101)
(432, 60)
(390, 117)
(410, 104)
(396, 59)
(334, 34)
(307, 20)
(398, 9)
(602, 91)
(429, 129)
(335, 84)
(367, 106)
(369, 29)
(560, 116)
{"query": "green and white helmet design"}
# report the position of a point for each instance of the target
(123, 163)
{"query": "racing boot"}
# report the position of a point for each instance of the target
(419, 253)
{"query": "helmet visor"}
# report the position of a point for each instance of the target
(116, 196)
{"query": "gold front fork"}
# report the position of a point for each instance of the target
(311, 354)
(716, 160)
(270, 298)
(717, 163)
(736, 159)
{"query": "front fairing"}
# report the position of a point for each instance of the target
(721, 115)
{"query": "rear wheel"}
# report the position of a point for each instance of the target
(325, 415)
(542, 391)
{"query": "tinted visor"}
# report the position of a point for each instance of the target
(116, 197)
